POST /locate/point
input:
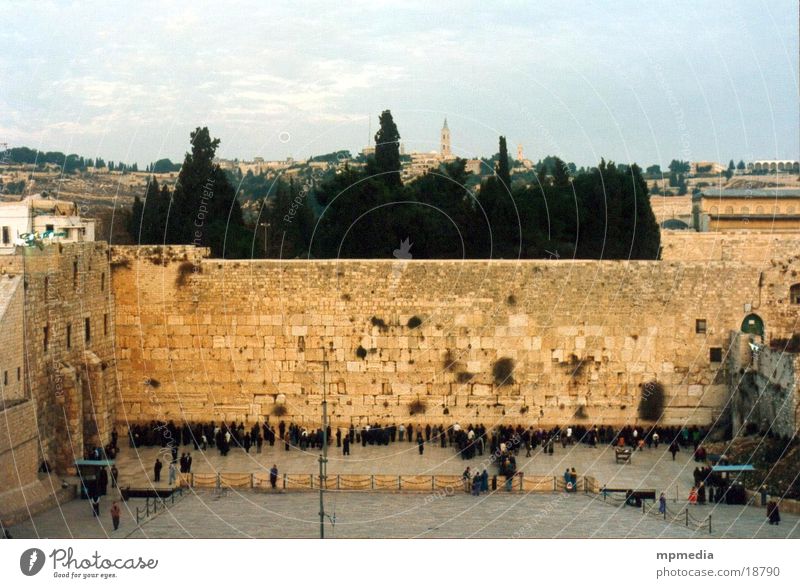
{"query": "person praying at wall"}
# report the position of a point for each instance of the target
(420, 443)
(157, 470)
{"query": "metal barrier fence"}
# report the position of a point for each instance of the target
(152, 504)
(381, 482)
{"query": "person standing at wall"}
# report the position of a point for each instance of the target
(273, 476)
(157, 470)
(173, 473)
(115, 512)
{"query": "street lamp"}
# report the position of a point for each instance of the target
(266, 226)
(323, 458)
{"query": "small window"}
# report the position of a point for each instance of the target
(5, 378)
(19, 374)
(794, 294)
(103, 282)
(87, 327)
(75, 275)
(69, 336)
(46, 285)
(715, 354)
(700, 326)
(6, 236)
(46, 336)
(49, 228)
(105, 324)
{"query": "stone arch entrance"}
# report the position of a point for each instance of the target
(753, 325)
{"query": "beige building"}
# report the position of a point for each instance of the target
(751, 210)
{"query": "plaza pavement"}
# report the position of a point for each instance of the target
(237, 514)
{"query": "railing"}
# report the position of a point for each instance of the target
(152, 505)
(260, 481)
(682, 516)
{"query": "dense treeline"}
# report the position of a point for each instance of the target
(69, 163)
(602, 212)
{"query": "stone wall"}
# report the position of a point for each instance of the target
(69, 361)
(765, 388)
(19, 455)
(214, 339)
(12, 357)
(755, 247)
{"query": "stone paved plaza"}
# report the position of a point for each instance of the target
(209, 514)
(246, 513)
(651, 469)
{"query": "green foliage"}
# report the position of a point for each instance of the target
(202, 210)
(387, 150)
(163, 166)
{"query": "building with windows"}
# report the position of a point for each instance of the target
(42, 218)
(770, 210)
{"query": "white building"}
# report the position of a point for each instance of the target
(42, 218)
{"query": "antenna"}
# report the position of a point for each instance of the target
(369, 132)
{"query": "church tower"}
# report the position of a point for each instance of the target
(445, 142)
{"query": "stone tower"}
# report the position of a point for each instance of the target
(445, 142)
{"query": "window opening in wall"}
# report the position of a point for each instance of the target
(5, 378)
(69, 336)
(103, 282)
(105, 324)
(19, 374)
(715, 354)
(6, 236)
(794, 294)
(700, 326)
(75, 275)
(46, 338)
(87, 325)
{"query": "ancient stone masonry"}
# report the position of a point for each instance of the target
(531, 342)
(69, 347)
(764, 385)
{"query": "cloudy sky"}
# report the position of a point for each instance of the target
(627, 80)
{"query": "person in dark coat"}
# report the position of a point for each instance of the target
(95, 500)
(346, 446)
(114, 476)
(338, 437)
(115, 512)
(157, 470)
(420, 443)
(673, 449)
(485, 481)
(273, 476)
(773, 513)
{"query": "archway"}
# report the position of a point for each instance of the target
(753, 325)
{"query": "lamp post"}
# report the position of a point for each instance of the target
(266, 226)
(323, 458)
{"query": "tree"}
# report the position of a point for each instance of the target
(205, 209)
(653, 171)
(387, 150)
(740, 166)
(503, 171)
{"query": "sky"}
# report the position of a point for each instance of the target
(630, 81)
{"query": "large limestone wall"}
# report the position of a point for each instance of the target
(19, 452)
(754, 247)
(12, 357)
(71, 379)
(216, 339)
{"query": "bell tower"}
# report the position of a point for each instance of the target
(445, 142)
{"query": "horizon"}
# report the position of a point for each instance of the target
(666, 81)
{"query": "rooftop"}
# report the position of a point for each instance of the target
(761, 193)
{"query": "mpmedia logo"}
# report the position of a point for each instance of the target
(31, 561)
